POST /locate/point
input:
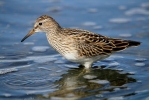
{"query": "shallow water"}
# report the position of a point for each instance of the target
(33, 70)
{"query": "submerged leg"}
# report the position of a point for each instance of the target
(87, 65)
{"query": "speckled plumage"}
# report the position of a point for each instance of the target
(80, 46)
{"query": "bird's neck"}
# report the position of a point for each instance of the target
(55, 39)
(54, 36)
(53, 33)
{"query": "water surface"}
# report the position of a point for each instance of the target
(33, 70)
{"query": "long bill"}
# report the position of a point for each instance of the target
(29, 34)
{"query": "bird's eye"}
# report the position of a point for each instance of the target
(40, 24)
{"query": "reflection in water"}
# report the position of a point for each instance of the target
(78, 83)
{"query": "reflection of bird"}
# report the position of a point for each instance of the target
(76, 45)
(73, 87)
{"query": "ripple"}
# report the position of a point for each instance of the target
(55, 9)
(58, 71)
(7, 70)
(27, 81)
(119, 20)
(145, 5)
(116, 98)
(44, 68)
(1, 3)
(89, 76)
(13, 82)
(119, 69)
(89, 24)
(126, 35)
(28, 43)
(45, 59)
(122, 7)
(70, 66)
(140, 59)
(39, 59)
(140, 19)
(141, 91)
(99, 95)
(6, 94)
(113, 64)
(139, 64)
(97, 27)
(92, 10)
(109, 59)
(2, 57)
(100, 81)
(131, 73)
(40, 48)
(117, 89)
(59, 62)
(136, 11)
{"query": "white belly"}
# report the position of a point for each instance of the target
(82, 60)
(71, 56)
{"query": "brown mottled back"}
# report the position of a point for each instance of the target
(91, 44)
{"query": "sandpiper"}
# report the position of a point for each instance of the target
(77, 45)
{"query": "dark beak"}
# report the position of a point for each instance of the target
(29, 34)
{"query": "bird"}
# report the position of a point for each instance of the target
(78, 45)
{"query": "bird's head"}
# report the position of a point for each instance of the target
(43, 24)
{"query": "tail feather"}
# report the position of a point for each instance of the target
(133, 43)
(123, 44)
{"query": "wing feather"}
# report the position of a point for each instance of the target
(91, 44)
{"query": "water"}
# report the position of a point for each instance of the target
(33, 70)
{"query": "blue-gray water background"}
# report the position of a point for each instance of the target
(33, 70)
